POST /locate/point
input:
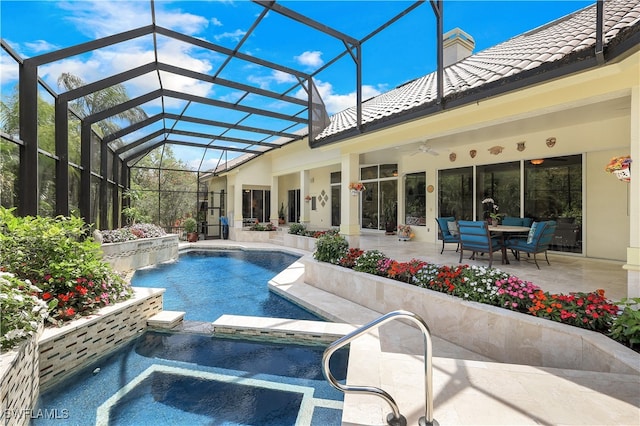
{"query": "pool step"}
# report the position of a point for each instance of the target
(165, 319)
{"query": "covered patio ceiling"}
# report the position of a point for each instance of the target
(216, 102)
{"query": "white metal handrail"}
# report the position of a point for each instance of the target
(394, 418)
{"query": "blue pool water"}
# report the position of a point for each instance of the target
(189, 379)
(209, 284)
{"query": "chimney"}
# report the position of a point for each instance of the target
(456, 45)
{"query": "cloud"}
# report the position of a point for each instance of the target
(335, 102)
(10, 71)
(310, 59)
(39, 46)
(278, 77)
(98, 19)
(215, 22)
(235, 36)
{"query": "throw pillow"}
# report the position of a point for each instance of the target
(453, 228)
(532, 231)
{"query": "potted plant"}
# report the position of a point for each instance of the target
(390, 210)
(190, 227)
(281, 214)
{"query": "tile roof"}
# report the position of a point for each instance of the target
(535, 50)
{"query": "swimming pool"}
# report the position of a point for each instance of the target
(188, 379)
(207, 284)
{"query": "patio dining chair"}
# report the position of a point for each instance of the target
(475, 236)
(538, 241)
(448, 231)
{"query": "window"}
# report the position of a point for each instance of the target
(501, 182)
(256, 205)
(415, 207)
(455, 193)
(293, 197)
(381, 185)
(336, 180)
(553, 191)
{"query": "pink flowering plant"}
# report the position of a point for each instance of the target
(515, 294)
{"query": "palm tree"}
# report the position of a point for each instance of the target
(100, 101)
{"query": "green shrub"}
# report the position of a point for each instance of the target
(330, 248)
(626, 326)
(56, 256)
(297, 229)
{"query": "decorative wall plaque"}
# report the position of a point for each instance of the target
(551, 142)
(473, 153)
(495, 150)
(520, 146)
(452, 156)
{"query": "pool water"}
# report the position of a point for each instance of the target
(166, 378)
(208, 284)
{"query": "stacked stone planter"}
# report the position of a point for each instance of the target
(19, 385)
(135, 254)
(64, 349)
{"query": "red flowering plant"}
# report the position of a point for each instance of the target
(56, 256)
(404, 271)
(586, 310)
(349, 259)
(440, 277)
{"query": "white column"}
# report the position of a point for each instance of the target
(273, 217)
(305, 206)
(350, 204)
(633, 251)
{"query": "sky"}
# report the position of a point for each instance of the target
(399, 53)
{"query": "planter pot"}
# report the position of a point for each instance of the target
(192, 237)
(139, 253)
(225, 232)
(623, 174)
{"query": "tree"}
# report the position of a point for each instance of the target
(100, 101)
(166, 191)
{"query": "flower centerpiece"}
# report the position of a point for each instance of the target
(356, 187)
(620, 166)
(493, 210)
(405, 233)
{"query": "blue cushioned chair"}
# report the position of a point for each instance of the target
(443, 232)
(512, 221)
(538, 241)
(474, 236)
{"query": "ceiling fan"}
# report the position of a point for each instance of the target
(426, 149)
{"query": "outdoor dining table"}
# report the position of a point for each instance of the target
(503, 230)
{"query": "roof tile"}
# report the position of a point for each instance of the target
(542, 45)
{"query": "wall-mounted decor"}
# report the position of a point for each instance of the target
(620, 167)
(495, 150)
(473, 153)
(452, 156)
(430, 189)
(551, 142)
(520, 146)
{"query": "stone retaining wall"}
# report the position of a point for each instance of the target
(64, 349)
(300, 242)
(19, 385)
(497, 333)
(135, 254)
